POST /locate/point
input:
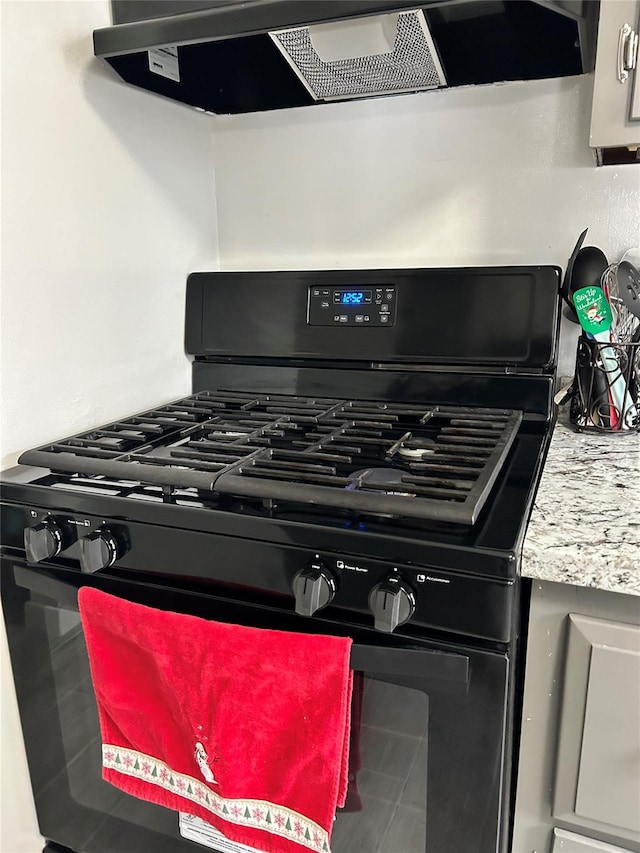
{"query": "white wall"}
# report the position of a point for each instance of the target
(485, 175)
(107, 204)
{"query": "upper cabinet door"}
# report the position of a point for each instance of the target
(615, 117)
(634, 112)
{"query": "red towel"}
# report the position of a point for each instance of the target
(246, 728)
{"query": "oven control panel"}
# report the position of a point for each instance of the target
(322, 585)
(364, 306)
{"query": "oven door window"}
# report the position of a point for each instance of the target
(426, 739)
(386, 803)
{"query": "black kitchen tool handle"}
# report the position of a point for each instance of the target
(564, 290)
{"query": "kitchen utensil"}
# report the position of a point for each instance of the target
(632, 256)
(593, 389)
(565, 393)
(624, 322)
(589, 392)
(588, 268)
(628, 280)
(634, 381)
(594, 312)
(602, 397)
(569, 310)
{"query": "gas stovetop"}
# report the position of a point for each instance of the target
(399, 459)
(263, 465)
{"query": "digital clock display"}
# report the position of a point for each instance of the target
(352, 297)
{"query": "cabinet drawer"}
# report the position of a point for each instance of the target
(569, 842)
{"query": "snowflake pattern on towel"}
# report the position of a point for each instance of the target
(257, 814)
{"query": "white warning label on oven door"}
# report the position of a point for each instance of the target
(195, 829)
(164, 61)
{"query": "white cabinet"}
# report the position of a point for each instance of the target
(615, 115)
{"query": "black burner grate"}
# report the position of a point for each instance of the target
(407, 460)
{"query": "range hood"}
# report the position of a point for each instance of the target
(238, 56)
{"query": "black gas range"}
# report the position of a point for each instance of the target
(359, 456)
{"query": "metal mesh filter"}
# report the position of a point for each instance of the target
(412, 64)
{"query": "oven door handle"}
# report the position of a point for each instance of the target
(419, 663)
(66, 594)
(379, 660)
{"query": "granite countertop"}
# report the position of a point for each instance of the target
(585, 524)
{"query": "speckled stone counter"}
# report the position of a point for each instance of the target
(585, 525)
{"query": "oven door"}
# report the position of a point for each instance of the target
(428, 730)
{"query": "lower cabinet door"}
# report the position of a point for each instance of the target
(597, 786)
(569, 842)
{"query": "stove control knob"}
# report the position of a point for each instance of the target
(314, 588)
(98, 550)
(43, 541)
(392, 602)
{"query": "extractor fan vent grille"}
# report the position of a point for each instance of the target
(411, 64)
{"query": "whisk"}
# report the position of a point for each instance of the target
(624, 322)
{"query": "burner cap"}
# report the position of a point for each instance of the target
(417, 448)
